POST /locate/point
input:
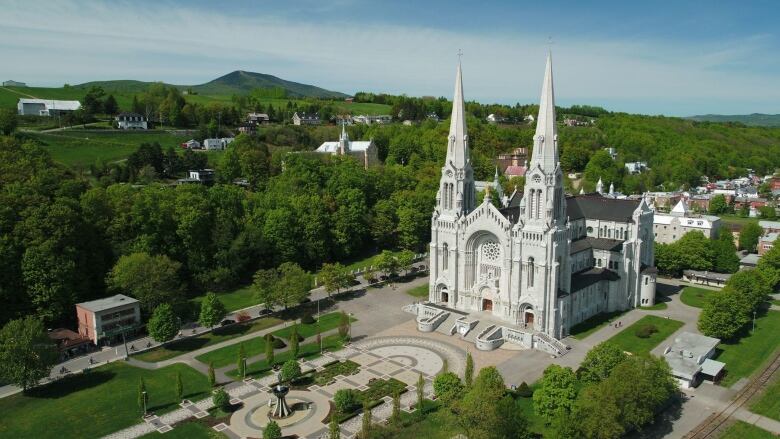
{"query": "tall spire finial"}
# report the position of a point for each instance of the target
(457, 151)
(460, 55)
(545, 139)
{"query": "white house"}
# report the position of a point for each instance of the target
(217, 144)
(45, 107)
(130, 121)
(636, 167)
(305, 119)
(368, 120)
(191, 144)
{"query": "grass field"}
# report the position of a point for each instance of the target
(79, 148)
(628, 341)
(593, 324)
(219, 335)
(769, 402)
(657, 307)
(742, 358)
(743, 430)
(696, 297)
(421, 291)
(95, 404)
(239, 298)
(229, 354)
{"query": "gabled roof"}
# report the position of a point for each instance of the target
(512, 171)
(595, 206)
(588, 277)
(332, 147)
(53, 104)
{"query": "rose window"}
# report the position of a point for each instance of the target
(491, 251)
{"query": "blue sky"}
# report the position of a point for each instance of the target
(674, 58)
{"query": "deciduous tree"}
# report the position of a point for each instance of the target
(212, 311)
(164, 324)
(557, 392)
(27, 354)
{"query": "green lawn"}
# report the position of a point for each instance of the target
(78, 148)
(239, 298)
(775, 302)
(187, 430)
(593, 324)
(769, 403)
(736, 220)
(218, 335)
(307, 350)
(630, 342)
(743, 430)
(229, 354)
(657, 307)
(696, 297)
(95, 404)
(421, 291)
(743, 357)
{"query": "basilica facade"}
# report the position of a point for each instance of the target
(544, 261)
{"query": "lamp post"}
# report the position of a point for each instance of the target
(243, 369)
(754, 321)
(144, 394)
(349, 320)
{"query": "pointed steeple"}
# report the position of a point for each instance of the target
(545, 152)
(457, 150)
(611, 188)
(582, 190)
(343, 139)
(600, 186)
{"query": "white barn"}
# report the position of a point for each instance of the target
(45, 107)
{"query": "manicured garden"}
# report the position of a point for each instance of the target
(228, 354)
(307, 350)
(756, 347)
(645, 334)
(696, 297)
(769, 403)
(593, 324)
(345, 368)
(218, 335)
(97, 403)
(743, 430)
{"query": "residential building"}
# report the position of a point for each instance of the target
(45, 107)
(766, 242)
(198, 176)
(709, 278)
(770, 226)
(364, 152)
(105, 320)
(217, 144)
(518, 157)
(495, 118)
(191, 144)
(130, 121)
(669, 227)
(543, 263)
(636, 167)
(612, 152)
(690, 358)
(305, 119)
(257, 118)
(368, 120)
(749, 261)
(12, 83)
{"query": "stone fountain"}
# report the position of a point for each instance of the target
(281, 409)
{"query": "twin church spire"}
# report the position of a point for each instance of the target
(458, 150)
(545, 152)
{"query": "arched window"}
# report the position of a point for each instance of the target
(530, 272)
(445, 257)
(531, 203)
(538, 202)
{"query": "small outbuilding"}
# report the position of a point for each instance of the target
(690, 358)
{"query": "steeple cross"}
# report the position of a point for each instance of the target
(460, 55)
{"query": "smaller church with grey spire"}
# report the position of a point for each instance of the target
(528, 271)
(363, 151)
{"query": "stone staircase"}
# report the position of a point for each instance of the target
(471, 337)
(446, 327)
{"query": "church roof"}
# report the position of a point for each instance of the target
(333, 147)
(586, 278)
(587, 242)
(596, 206)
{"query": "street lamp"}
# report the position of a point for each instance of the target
(144, 398)
(243, 375)
(754, 321)
(349, 320)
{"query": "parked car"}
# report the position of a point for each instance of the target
(264, 311)
(227, 322)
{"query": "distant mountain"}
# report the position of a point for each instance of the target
(755, 119)
(238, 82)
(241, 82)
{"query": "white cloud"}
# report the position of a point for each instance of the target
(68, 41)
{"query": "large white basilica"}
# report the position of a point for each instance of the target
(545, 261)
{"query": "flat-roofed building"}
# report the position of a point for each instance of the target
(690, 358)
(106, 319)
(45, 107)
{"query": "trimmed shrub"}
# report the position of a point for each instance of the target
(646, 331)
(278, 343)
(524, 390)
(345, 400)
(308, 319)
(221, 399)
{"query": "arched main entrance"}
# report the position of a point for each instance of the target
(443, 293)
(487, 305)
(527, 315)
(528, 318)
